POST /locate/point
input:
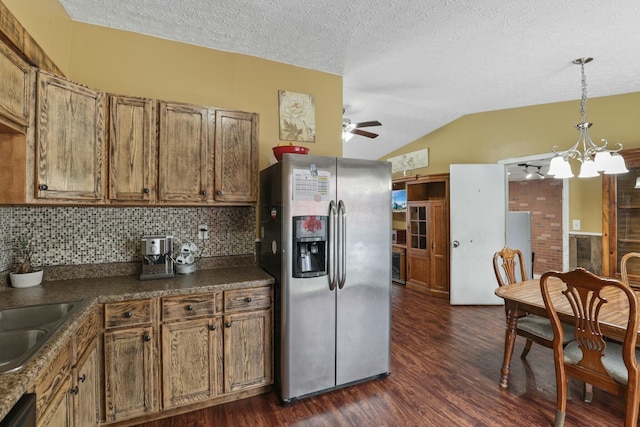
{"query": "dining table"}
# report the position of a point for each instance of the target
(526, 298)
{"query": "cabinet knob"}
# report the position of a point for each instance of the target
(44, 187)
(82, 378)
(147, 337)
(248, 299)
(128, 314)
(145, 191)
(218, 193)
(228, 324)
(75, 390)
(212, 327)
(190, 307)
(203, 192)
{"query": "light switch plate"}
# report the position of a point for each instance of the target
(576, 224)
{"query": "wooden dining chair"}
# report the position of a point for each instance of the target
(623, 266)
(530, 326)
(591, 358)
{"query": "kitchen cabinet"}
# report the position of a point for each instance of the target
(132, 150)
(15, 91)
(130, 359)
(52, 389)
(236, 156)
(70, 142)
(85, 374)
(57, 414)
(191, 349)
(428, 235)
(248, 339)
(621, 218)
(185, 153)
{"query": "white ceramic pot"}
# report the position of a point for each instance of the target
(26, 280)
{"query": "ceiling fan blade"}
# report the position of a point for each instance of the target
(367, 124)
(364, 133)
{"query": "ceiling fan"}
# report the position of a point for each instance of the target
(349, 129)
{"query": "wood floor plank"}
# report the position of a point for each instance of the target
(445, 372)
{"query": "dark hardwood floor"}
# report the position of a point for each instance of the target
(445, 372)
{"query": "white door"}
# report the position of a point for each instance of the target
(478, 230)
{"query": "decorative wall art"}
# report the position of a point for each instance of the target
(414, 160)
(297, 116)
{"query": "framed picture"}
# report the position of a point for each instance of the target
(297, 116)
(413, 160)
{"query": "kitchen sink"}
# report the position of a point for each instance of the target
(24, 330)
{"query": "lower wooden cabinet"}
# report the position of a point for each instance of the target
(84, 393)
(130, 372)
(57, 413)
(191, 353)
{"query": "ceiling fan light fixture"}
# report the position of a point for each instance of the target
(593, 158)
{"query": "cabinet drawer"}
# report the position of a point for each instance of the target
(247, 299)
(128, 313)
(85, 333)
(188, 306)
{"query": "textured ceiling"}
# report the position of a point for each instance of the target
(414, 65)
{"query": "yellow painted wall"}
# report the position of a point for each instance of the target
(133, 64)
(518, 132)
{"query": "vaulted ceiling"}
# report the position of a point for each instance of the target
(413, 65)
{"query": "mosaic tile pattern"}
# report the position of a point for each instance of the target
(86, 235)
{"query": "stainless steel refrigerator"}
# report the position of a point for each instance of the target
(325, 226)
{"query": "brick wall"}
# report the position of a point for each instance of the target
(543, 198)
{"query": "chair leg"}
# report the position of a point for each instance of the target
(588, 392)
(559, 422)
(526, 349)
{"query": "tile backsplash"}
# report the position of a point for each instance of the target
(97, 235)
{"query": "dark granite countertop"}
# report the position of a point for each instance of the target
(100, 290)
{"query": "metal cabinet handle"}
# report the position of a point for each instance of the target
(190, 307)
(228, 324)
(128, 314)
(248, 299)
(145, 191)
(218, 193)
(75, 390)
(147, 337)
(82, 378)
(213, 327)
(44, 187)
(203, 192)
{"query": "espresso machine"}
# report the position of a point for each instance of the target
(157, 262)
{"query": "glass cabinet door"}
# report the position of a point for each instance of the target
(627, 219)
(418, 226)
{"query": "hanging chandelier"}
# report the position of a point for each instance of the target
(593, 158)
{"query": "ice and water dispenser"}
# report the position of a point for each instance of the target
(310, 234)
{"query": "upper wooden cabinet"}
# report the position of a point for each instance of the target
(132, 150)
(70, 141)
(236, 156)
(621, 218)
(14, 90)
(185, 154)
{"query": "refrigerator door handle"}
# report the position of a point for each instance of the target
(342, 244)
(332, 245)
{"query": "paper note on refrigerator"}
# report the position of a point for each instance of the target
(311, 186)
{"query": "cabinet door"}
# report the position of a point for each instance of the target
(14, 90)
(57, 413)
(132, 149)
(236, 156)
(130, 373)
(85, 391)
(247, 350)
(185, 155)
(70, 141)
(439, 247)
(190, 351)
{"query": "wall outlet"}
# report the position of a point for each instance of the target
(203, 231)
(576, 224)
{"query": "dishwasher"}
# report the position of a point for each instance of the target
(23, 413)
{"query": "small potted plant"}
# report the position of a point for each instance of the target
(25, 275)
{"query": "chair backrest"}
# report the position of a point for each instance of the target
(586, 294)
(623, 265)
(508, 258)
